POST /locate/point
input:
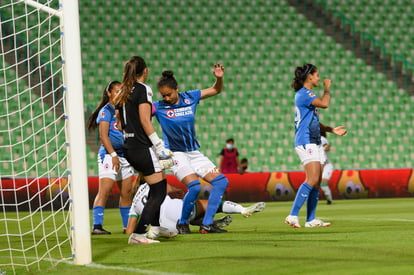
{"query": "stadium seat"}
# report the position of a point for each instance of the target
(260, 46)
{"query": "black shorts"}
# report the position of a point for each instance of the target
(143, 160)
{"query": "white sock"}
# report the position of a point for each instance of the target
(232, 207)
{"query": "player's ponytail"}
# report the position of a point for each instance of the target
(301, 73)
(168, 79)
(134, 68)
(91, 124)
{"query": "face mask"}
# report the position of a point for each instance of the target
(229, 146)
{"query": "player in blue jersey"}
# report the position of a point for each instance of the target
(113, 167)
(176, 114)
(308, 141)
(142, 147)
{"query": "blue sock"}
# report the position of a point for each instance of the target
(194, 188)
(301, 196)
(98, 215)
(312, 203)
(219, 186)
(124, 210)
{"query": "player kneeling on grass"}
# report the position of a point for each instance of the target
(171, 212)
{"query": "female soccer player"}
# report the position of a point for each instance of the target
(176, 115)
(142, 146)
(171, 211)
(308, 141)
(113, 167)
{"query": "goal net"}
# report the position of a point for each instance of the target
(38, 223)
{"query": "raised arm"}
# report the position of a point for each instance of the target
(323, 102)
(218, 84)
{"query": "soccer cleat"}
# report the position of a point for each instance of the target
(329, 202)
(183, 228)
(135, 238)
(257, 207)
(223, 221)
(158, 232)
(100, 231)
(205, 229)
(317, 223)
(292, 221)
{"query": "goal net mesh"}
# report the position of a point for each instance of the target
(34, 196)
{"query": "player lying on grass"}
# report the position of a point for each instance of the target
(171, 211)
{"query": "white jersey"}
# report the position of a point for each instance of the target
(170, 211)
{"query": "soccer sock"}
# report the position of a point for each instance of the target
(98, 215)
(124, 210)
(312, 203)
(220, 208)
(326, 191)
(189, 199)
(151, 212)
(232, 207)
(301, 197)
(219, 186)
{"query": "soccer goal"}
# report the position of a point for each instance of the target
(44, 210)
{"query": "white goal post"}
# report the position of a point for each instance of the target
(44, 203)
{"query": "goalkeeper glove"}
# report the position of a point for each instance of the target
(166, 163)
(160, 150)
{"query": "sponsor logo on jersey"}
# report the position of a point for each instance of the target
(102, 114)
(186, 101)
(311, 94)
(115, 126)
(179, 112)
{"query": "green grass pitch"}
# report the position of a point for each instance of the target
(370, 236)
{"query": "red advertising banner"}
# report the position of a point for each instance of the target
(249, 187)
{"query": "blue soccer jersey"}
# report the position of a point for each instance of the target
(306, 118)
(107, 113)
(177, 122)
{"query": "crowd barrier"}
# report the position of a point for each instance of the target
(249, 187)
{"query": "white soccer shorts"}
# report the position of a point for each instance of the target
(105, 168)
(311, 152)
(194, 162)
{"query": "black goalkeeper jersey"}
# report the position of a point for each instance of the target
(134, 134)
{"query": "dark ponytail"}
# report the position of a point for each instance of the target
(168, 80)
(91, 124)
(134, 68)
(301, 73)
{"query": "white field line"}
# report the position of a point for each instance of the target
(366, 219)
(108, 267)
